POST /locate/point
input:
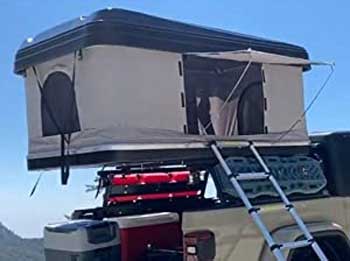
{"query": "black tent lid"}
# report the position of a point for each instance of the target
(128, 28)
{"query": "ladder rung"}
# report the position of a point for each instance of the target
(252, 176)
(296, 244)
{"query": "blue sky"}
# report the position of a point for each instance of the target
(321, 26)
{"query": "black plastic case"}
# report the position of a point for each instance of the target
(334, 150)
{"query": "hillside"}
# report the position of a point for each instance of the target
(15, 248)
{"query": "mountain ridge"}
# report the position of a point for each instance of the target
(15, 248)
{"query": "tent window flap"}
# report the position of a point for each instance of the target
(250, 111)
(59, 111)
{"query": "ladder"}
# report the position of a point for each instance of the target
(276, 248)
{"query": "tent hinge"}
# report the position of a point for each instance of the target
(182, 100)
(266, 129)
(180, 68)
(80, 55)
(263, 76)
(185, 129)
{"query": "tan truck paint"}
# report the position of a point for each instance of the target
(238, 239)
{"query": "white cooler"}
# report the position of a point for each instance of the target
(82, 240)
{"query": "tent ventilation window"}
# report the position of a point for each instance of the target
(58, 92)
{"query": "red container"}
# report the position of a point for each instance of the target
(137, 233)
(150, 178)
(121, 180)
(180, 176)
(154, 178)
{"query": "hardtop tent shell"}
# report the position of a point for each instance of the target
(128, 28)
(117, 85)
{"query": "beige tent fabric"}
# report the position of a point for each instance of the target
(285, 100)
(223, 115)
(116, 85)
(116, 138)
(130, 99)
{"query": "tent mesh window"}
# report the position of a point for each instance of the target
(217, 103)
(59, 111)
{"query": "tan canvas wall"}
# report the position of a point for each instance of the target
(283, 90)
(115, 86)
(62, 64)
(130, 87)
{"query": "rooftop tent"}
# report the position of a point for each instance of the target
(116, 86)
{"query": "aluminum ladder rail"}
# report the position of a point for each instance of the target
(276, 248)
